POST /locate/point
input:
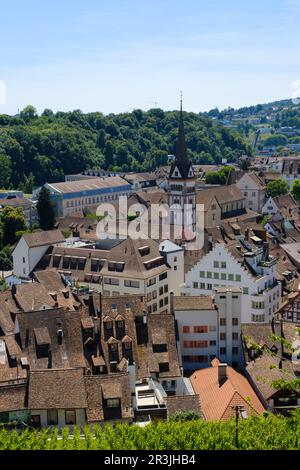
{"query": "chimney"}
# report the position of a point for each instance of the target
(100, 304)
(96, 326)
(60, 336)
(92, 312)
(144, 317)
(222, 373)
(172, 303)
(247, 231)
(266, 250)
(49, 359)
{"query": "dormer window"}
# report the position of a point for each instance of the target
(176, 173)
(128, 345)
(120, 324)
(113, 347)
(108, 325)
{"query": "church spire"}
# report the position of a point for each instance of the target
(182, 161)
(181, 149)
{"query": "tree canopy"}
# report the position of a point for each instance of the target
(37, 149)
(45, 210)
(295, 190)
(277, 187)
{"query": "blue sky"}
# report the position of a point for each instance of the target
(117, 55)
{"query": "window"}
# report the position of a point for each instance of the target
(195, 344)
(175, 268)
(113, 403)
(238, 277)
(213, 343)
(154, 294)
(223, 336)
(175, 259)
(235, 351)
(163, 276)
(209, 275)
(216, 264)
(202, 285)
(111, 281)
(166, 288)
(52, 417)
(161, 303)
(200, 329)
(166, 300)
(161, 291)
(151, 282)
(212, 328)
(216, 275)
(209, 286)
(131, 284)
(259, 305)
(258, 318)
(120, 324)
(235, 336)
(222, 321)
(235, 321)
(223, 276)
(70, 417)
(223, 264)
(195, 285)
(154, 307)
(185, 329)
(245, 290)
(23, 260)
(202, 273)
(230, 277)
(195, 358)
(222, 351)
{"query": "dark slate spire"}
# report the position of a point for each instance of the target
(181, 150)
(182, 161)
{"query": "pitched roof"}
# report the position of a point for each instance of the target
(199, 302)
(48, 237)
(56, 389)
(67, 355)
(12, 398)
(89, 184)
(223, 194)
(99, 388)
(217, 399)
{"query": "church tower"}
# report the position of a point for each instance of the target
(182, 186)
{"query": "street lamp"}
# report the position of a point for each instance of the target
(238, 410)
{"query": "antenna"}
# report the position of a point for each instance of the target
(181, 100)
(154, 102)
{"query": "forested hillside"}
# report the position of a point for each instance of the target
(35, 149)
(260, 433)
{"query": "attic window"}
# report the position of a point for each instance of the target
(144, 250)
(164, 367)
(108, 325)
(120, 324)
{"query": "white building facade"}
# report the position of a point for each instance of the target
(209, 327)
(261, 293)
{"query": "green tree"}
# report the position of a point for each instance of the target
(277, 187)
(29, 113)
(45, 210)
(6, 263)
(296, 189)
(5, 171)
(12, 221)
